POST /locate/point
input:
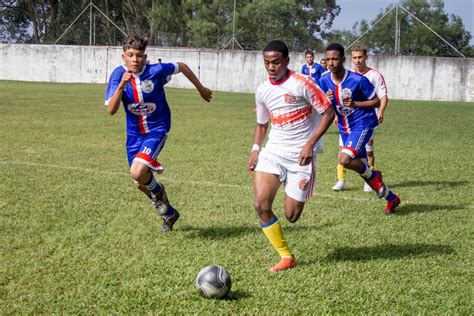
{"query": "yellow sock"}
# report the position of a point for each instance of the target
(341, 172)
(274, 234)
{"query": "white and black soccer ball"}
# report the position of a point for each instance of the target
(213, 282)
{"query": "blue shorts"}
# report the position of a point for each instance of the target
(354, 143)
(145, 148)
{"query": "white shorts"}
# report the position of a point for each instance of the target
(299, 181)
(368, 147)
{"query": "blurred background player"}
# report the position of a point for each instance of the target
(311, 68)
(354, 99)
(139, 87)
(300, 113)
(359, 60)
(323, 64)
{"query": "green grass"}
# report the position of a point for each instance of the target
(78, 238)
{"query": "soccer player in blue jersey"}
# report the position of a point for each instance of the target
(139, 87)
(354, 99)
(311, 68)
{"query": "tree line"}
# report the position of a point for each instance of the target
(301, 24)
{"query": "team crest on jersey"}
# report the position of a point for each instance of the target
(303, 184)
(147, 86)
(142, 109)
(346, 93)
(291, 99)
(313, 70)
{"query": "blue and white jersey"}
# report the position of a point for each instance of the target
(358, 88)
(144, 98)
(315, 71)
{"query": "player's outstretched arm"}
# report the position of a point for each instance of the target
(114, 102)
(205, 93)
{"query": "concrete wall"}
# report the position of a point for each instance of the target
(408, 77)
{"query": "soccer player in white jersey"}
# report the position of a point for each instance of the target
(139, 87)
(359, 60)
(300, 113)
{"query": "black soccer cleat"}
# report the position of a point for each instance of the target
(160, 201)
(168, 222)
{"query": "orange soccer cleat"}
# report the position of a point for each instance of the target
(285, 263)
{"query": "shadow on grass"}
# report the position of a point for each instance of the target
(224, 232)
(236, 295)
(422, 183)
(389, 251)
(220, 232)
(405, 209)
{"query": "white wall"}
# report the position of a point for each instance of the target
(408, 77)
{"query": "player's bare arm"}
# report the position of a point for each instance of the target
(258, 137)
(306, 154)
(114, 102)
(383, 106)
(372, 103)
(205, 93)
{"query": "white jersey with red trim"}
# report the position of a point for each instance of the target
(144, 98)
(377, 80)
(293, 106)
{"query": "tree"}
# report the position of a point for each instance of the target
(208, 23)
(415, 38)
(192, 23)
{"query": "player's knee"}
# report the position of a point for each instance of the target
(345, 160)
(292, 218)
(261, 208)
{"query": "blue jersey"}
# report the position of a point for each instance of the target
(144, 98)
(358, 88)
(315, 71)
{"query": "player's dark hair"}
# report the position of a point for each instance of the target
(277, 46)
(308, 51)
(137, 42)
(336, 46)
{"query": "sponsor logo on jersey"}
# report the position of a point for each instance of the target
(290, 99)
(142, 109)
(147, 86)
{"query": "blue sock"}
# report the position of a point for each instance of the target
(170, 212)
(366, 173)
(153, 186)
(391, 196)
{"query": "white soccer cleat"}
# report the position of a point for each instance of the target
(339, 186)
(367, 188)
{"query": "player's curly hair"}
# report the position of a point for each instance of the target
(277, 46)
(137, 42)
(336, 46)
(308, 51)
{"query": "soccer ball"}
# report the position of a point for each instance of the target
(213, 282)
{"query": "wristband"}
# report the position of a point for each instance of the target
(256, 147)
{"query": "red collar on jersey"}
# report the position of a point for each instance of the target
(283, 79)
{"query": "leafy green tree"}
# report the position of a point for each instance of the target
(415, 38)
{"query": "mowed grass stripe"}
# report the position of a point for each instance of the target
(77, 237)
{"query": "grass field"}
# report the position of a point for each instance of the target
(78, 238)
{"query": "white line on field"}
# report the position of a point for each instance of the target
(190, 182)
